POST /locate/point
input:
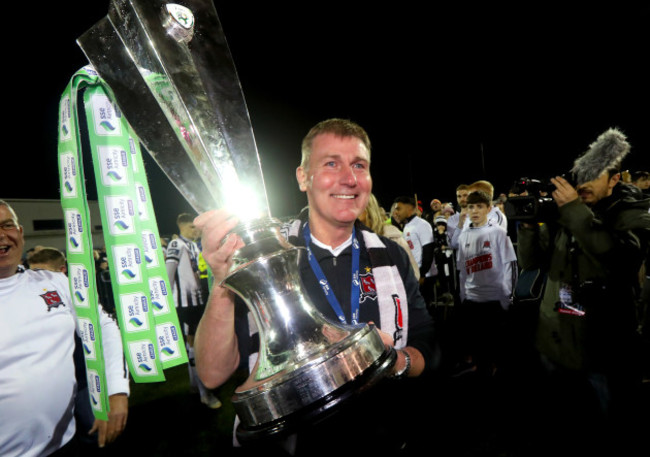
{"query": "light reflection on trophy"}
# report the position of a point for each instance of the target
(169, 69)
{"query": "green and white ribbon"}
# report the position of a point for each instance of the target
(148, 322)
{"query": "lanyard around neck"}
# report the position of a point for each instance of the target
(322, 280)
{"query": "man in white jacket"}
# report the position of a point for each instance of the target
(37, 371)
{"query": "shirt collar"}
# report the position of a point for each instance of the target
(335, 251)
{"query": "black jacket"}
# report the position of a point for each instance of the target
(597, 253)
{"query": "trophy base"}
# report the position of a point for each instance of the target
(320, 409)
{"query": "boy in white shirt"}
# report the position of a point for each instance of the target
(488, 271)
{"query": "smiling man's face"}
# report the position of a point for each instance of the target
(337, 180)
(11, 242)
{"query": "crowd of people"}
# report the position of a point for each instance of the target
(531, 329)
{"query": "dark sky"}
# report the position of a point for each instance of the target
(448, 95)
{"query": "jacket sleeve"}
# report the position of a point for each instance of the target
(427, 258)
(610, 243)
(453, 239)
(171, 261)
(117, 373)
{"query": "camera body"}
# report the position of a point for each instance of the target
(531, 186)
(532, 202)
(530, 208)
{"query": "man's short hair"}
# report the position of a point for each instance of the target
(485, 186)
(405, 199)
(11, 210)
(49, 256)
(339, 127)
(184, 218)
(479, 196)
(462, 187)
(636, 175)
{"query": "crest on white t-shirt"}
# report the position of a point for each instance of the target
(52, 299)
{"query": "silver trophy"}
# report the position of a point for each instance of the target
(169, 69)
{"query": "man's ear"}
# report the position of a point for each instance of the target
(301, 176)
(614, 180)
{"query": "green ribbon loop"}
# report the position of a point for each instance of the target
(149, 326)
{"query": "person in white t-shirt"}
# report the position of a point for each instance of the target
(488, 271)
(417, 232)
(37, 370)
(374, 217)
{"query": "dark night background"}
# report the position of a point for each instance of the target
(449, 94)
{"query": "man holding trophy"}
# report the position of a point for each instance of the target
(335, 175)
(333, 309)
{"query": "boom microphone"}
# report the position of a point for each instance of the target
(606, 152)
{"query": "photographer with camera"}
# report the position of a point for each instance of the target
(586, 334)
